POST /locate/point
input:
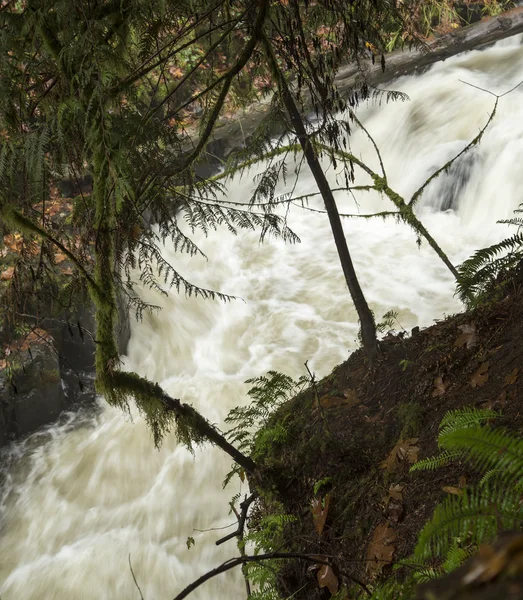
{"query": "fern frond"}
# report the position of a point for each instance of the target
(473, 517)
(465, 417)
(478, 271)
(488, 449)
(435, 462)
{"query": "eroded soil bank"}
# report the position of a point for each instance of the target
(356, 435)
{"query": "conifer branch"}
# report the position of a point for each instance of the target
(10, 214)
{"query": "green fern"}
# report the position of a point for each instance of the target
(478, 274)
(479, 513)
(475, 516)
(453, 420)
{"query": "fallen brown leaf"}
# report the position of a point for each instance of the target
(404, 450)
(392, 502)
(349, 398)
(380, 550)
(512, 377)
(480, 377)
(450, 489)
(439, 387)
(327, 578)
(3, 364)
(7, 274)
(320, 511)
(396, 491)
(59, 257)
(468, 336)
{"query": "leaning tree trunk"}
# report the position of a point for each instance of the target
(368, 326)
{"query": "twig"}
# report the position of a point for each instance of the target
(134, 577)
(235, 562)
(242, 517)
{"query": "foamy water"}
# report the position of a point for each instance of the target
(85, 494)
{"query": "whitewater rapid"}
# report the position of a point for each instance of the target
(86, 494)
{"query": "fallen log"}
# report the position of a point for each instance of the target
(233, 133)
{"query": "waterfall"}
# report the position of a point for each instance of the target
(82, 496)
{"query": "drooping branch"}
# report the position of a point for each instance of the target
(240, 560)
(145, 390)
(243, 59)
(10, 214)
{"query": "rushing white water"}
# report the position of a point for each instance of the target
(85, 494)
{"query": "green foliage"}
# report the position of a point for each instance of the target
(453, 421)
(190, 542)
(388, 321)
(319, 484)
(484, 273)
(477, 514)
(462, 522)
(267, 536)
(249, 431)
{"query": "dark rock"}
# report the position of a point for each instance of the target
(33, 396)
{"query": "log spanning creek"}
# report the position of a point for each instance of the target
(83, 495)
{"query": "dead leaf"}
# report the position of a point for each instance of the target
(3, 364)
(7, 274)
(480, 377)
(502, 398)
(59, 257)
(396, 491)
(404, 450)
(394, 511)
(14, 241)
(380, 550)
(327, 578)
(512, 377)
(450, 489)
(319, 512)
(349, 398)
(393, 503)
(439, 387)
(494, 350)
(67, 271)
(468, 336)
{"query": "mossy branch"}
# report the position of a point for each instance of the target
(417, 195)
(152, 401)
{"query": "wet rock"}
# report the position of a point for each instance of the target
(33, 395)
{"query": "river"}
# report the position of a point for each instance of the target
(86, 495)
